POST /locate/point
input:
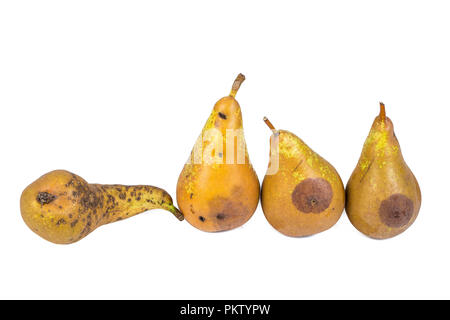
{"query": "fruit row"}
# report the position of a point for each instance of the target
(302, 194)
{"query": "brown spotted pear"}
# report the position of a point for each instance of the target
(383, 196)
(218, 189)
(302, 194)
(63, 208)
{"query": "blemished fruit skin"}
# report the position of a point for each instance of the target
(306, 195)
(383, 196)
(216, 191)
(63, 208)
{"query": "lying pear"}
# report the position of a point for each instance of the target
(302, 194)
(63, 208)
(218, 189)
(383, 196)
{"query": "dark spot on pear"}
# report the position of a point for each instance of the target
(396, 211)
(312, 195)
(45, 198)
(191, 195)
(60, 221)
(70, 183)
(202, 219)
(223, 116)
(220, 216)
(74, 223)
(90, 200)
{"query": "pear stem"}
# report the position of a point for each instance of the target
(382, 112)
(269, 124)
(237, 84)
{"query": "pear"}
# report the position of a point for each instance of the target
(218, 188)
(302, 194)
(63, 208)
(383, 196)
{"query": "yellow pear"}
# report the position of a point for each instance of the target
(63, 208)
(302, 194)
(383, 196)
(218, 189)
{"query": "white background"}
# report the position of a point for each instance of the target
(118, 91)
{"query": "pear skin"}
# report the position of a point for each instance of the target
(305, 195)
(218, 188)
(63, 208)
(383, 196)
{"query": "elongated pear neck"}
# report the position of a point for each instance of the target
(127, 201)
